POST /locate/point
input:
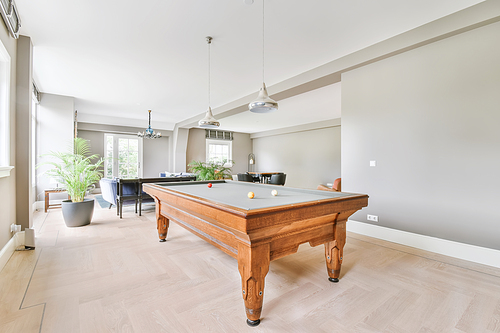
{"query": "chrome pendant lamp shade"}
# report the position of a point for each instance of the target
(263, 103)
(149, 133)
(209, 121)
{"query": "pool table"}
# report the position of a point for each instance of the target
(259, 230)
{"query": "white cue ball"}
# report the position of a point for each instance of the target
(274, 192)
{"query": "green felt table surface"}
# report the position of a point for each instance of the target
(235, 194)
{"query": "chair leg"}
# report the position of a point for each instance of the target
(110, 205)
(136, 206)
(121, 207)
(140, 207)
(117, 207)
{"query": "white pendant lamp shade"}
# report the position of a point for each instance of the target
(264, 103)
(209, 121)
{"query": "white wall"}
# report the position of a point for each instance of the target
(55, 133)
(156, 156)
(308, 157)
(429, 117)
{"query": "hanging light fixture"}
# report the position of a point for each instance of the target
(209, 121)
(149, 133)
(263, 103)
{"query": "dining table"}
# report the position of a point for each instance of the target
(264, 177)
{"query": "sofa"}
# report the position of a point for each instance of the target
(120, 191)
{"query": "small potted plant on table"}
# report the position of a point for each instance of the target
(77, 171)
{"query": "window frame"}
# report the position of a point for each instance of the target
(114, 161)
(5, 78)
(228, 143)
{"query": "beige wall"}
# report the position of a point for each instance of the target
(429, 117)
(24, 91)
(308, 157)
(156, 153)
(8, 184)
(196, 149)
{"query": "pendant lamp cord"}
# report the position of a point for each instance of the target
(263, 2)
(209, 40)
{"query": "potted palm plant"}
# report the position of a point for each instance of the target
(212, 170)
(78, 172)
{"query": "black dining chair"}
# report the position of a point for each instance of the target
(245, 177)
(278, 179)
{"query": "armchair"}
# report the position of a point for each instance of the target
(336, 186)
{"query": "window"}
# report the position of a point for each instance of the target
(219, 150)
(4, 112)
(124, 156)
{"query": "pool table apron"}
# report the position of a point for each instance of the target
(257, 237)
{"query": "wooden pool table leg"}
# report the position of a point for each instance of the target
(253, 264)
(161, 222)
(334, 251)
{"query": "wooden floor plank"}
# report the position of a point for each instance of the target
(114, 276)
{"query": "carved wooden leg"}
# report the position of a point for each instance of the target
(253, 264)
(334, 251)
(162, 222)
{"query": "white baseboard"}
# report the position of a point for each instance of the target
(10, 247)
(480, 255)
(39, 205)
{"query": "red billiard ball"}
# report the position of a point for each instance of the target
(209, 185)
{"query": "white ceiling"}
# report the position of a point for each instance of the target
(120, 58)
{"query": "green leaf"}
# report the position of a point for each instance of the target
(75, 169)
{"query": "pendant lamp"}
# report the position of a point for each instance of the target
(263, 103)
(209, 121)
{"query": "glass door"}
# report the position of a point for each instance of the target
(124, 153)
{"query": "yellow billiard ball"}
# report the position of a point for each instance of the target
(251, 195)
(274, 192)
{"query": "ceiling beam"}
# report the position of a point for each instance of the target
(474, 17)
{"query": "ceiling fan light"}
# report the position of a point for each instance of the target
(263, 103)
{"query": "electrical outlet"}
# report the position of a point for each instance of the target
(373, 218)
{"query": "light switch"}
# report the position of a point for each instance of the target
(373, 163)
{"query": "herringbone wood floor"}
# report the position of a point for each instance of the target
(114, 276)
